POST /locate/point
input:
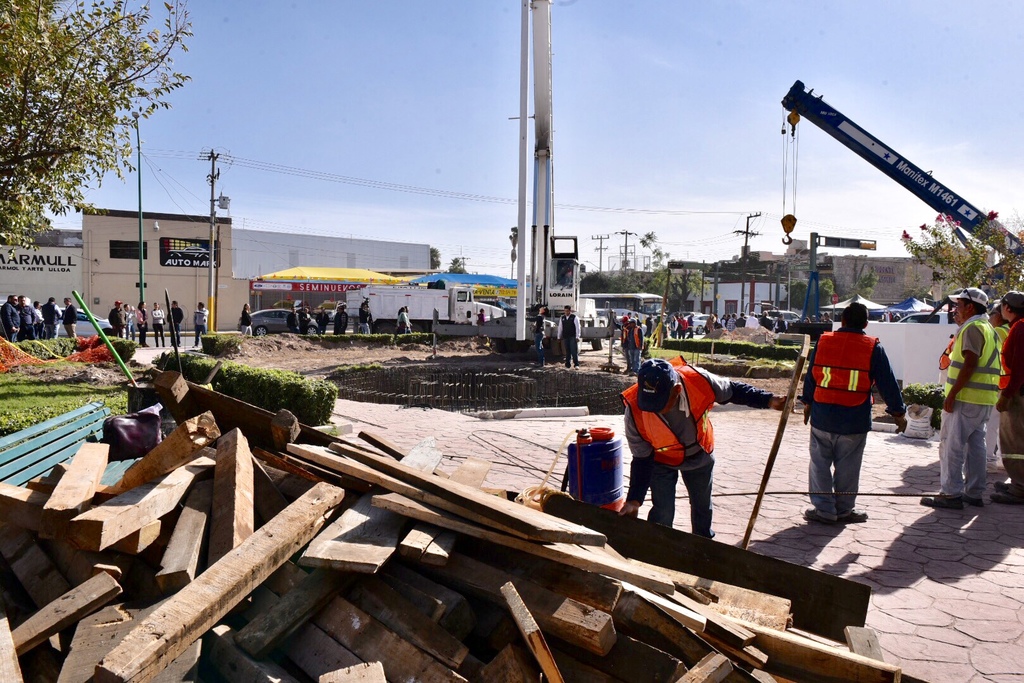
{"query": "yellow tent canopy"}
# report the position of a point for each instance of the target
(360, 275)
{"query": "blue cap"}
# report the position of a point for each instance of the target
(655, 381)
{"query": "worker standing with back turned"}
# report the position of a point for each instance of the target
(669, 432)
(837, 400)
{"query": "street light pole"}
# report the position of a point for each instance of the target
(142, 244)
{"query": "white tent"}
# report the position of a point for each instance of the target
(857, 299)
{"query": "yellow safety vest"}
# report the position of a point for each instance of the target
(983, 387)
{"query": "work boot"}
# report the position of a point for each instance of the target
(853, 517)
(976, 502)
(946, 502)
(1006, 499)
(1002, 486)
(812, 515)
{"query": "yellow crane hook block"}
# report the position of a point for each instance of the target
(788, 224)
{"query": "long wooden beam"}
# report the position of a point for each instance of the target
(193, 610)
(73, 493)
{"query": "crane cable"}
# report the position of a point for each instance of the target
(790, 148)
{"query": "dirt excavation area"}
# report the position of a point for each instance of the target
(320, 359)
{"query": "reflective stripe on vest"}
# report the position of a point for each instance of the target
(983, 386)
(842, 368)
(653, 428)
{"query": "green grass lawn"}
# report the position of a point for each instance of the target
(26, 400)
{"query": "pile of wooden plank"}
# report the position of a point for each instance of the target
(248, 547)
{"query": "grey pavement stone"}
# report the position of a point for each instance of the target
(948, 585)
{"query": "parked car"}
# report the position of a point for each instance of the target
(939, 318)
(84, 328)
(700, 321)
(270, 321)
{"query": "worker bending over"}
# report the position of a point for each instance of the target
(669, 431)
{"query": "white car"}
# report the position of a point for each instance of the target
(940, 318)
(84, 328)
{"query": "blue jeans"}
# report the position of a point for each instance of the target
(633, 360)
(963, 449)
(200, 331)
(698, 487)
(572, 351)
(538, 342)
(844, 453)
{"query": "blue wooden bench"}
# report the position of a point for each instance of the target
(34, 451)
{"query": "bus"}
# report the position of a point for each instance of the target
(619, 304)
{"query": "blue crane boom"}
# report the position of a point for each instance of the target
(881, 156)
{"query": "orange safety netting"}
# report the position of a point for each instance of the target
(89, 350)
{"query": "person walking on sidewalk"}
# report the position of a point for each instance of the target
(632, 344)
(972, 388)
(538, 334)
(199, 319)
(669, 432)
(569, 332)
(341, 318)
(837, 401)
(142, 320)
(177, 318)
(69, 317)
(1011, 403)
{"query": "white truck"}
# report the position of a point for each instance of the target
(454, 305)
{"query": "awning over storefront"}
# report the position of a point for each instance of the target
(353, 275)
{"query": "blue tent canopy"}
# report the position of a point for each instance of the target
(466, 279)
(910, 305)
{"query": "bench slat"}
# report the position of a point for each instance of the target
(25, 455)
(43, 427)
(115, 471)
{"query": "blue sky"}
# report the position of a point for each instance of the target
(667, 118)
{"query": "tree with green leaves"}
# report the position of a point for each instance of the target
(865, 285)
(458, 265)
(658, 255)
(71, 76)
(435, 258)
(958, 264)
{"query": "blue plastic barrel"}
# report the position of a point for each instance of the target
(595, 473)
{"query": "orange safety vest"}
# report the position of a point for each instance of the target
(700, 395)
(842, 368)
(638, 340)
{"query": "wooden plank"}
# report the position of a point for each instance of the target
(73, 493)
(712, 669)
(175, 395)
(472, 472)
(66, 610)
(234, 665)
(137, 541)
(864, 642)
(264, 632)
(184, 617)
(574, 670)
(531, 632)
(559, 552)
(427, 604)
(10, 669)
(458, 619)
(371, 641)
(734, 601)
(382, 602)
(279, 463)
(438, 552)
(416, 541)
(596, 590)
(232, 519)
(179, 448)
(93, 637)
(365, 537)
(511, 665)
(389, 474)
(269, 500)
(104, 525)
(180, 561)
(35, 570)
(383, 445)
(715, 625)
(822, 603)
(367, 672)
(21, 507)
(316, 653)
(622, 661)
(78, 566)
(560, 616)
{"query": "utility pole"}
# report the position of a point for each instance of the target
(714, 293)
(600, 250)
(211, 295)
(746, 250)
(625, 250)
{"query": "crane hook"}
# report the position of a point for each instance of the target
(788, 225)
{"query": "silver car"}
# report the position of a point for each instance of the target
(270, 321)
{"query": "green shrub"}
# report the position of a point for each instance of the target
(125, 348)
(926, 395)
(312, 401)
(220, 344)
(733, 348)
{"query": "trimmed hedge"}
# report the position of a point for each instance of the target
(733, 348)
(219, 344)
(926, 395)
(62, 347)
(312, 401)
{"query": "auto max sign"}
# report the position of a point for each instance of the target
(328, 287)
(180, 252)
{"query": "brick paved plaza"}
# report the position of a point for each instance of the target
(948, 585)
